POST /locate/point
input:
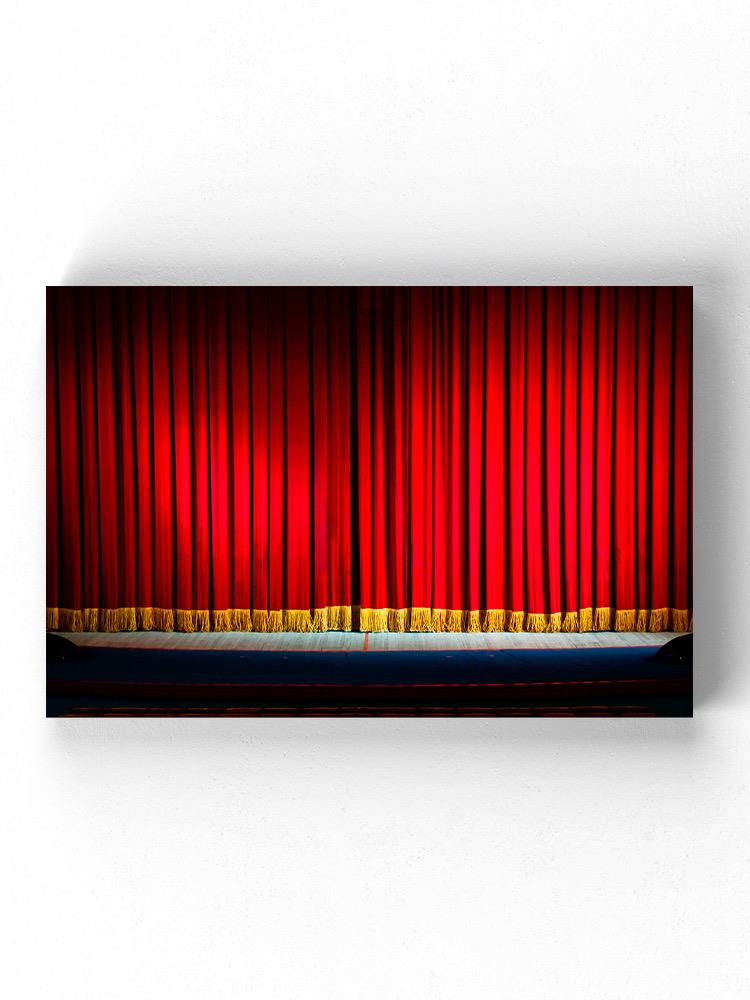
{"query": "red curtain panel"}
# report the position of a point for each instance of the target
(198, 459)
(524, 458)
(445, 458)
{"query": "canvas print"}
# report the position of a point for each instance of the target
(369, 501)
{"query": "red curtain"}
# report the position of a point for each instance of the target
(524, 458)
(512, 458)
(198, 459)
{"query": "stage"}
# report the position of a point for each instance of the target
(374, 674)
(375, 642)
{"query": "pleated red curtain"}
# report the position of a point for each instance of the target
(198, 459)
(520, 458)
(524, 458)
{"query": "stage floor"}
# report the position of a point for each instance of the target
(375, 642)
(345, 673)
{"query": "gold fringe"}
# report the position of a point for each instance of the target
(185, 621)
(265, 621)
(554, 622)
(625, 621)
(109, 620)
(420, 619)
(536, 623)
(128, 620)
(454, 620)
(298, 621)
(603, 620)
(275, 621)
(242, 620)
(438, 620)
(373, 620)
(260, 621)
(71, 621)
(495, 621)
(515, 622)
(90, 620)
(658, 620)
(473, 621)
(320, 620)
(164, 619)
(571, 622)
(397, 619)
(221, 621)
(145, 618)
(339, 617)
(681, 621)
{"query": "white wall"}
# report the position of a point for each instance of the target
(378, 142)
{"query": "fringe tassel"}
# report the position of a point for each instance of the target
(320, 620)
(625, 621)
(185, 621)
(260, 621)
(221, 621)
(164, 619)
(397, 618)
(681, 621)
(145, 619)
(53, 619)
(571, 622)
(90, 620)
(641, 622)
(128, 620)
(536, 623)
(495, 621)
(603, 620)
(515, 621)
(439, 618)
(267, 621)
(420, 619)
(454, 621)
(109, 620)
(658, 620)
(202, 621)
(473, 622)
(554, 622)
(585, 619)
(373, 620)
(340, 618)
(70, 621)
(298, 621)
(242, 620)
(275, 621)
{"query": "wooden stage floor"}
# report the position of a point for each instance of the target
(376, 642)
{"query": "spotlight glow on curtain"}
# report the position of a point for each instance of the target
(520, 458)
(524, 458)
(198, 459)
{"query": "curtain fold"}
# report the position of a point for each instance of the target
(442, 458)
